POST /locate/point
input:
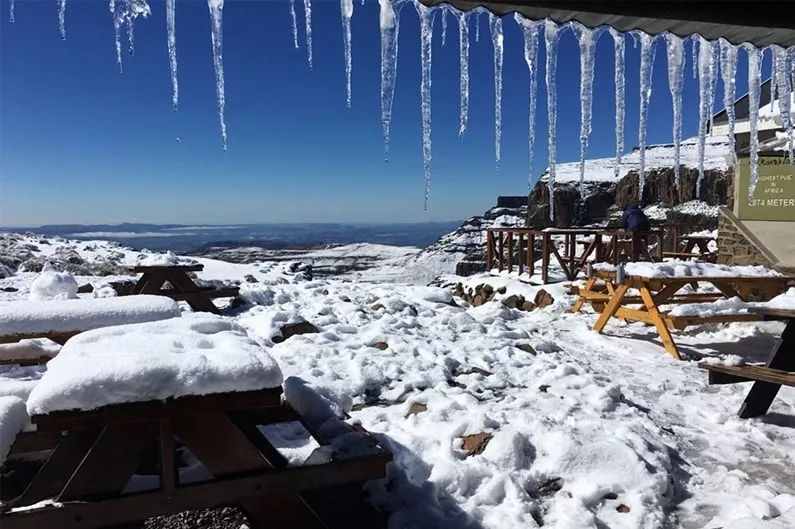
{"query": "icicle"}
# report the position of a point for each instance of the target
(773, 73)
(694, 52)
(754, 85)
(124, 12)
(619, 45)
(308, 20)
(784, 93)
(389, 24)
(463, 70)
(477, 26)
(172, 50)
(551, 37)
(62, 18)
(713, 75)
(426, 33)
(530, 31)
(728, 71)
(444, 25)
(346, 9)
(705, 70)
(117, 32)
(676, 70)
(586, 37)
(216, 33)
(495, 27)
(294, 24)
(11, 17)
(646, 43)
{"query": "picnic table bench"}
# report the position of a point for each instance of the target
(612, 298)
(778, 370)
(183, 288)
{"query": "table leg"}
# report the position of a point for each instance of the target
(581, 300)
(545, 242)
(659, 323)
(762, 394)
(611, 307)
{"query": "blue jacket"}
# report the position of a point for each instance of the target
(636, 220)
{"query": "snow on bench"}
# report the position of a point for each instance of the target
(38, 318)
(13, 419)
(31, 350)
(679, 268)
(198, 354)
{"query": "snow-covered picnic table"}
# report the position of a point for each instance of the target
(654, 284)
(154, 277)
(114, 393)
(22, 322)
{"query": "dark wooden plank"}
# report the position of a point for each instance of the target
(111, 461)
(34, 442)
(248, 425)
(720, 374)
(762, 393)
(169, 474)
(344, 507)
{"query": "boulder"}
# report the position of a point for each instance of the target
(543, 299)
(288, 330)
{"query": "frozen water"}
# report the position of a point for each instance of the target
(124, 13)
(443, 14)
(426, 34)
(586, 37)
(463, 69)
(784, 91)
(308, 22)
(62, 18)
(754, 85)
(217, 35)
(346, 10)
(619, 46)
(172, 50)
(495, 27)
(294, 24)
(477, 25)
(530, 31)
(676, 63)
(11, 9)
(773, 72)
(728, 71)
(389, 24)
(646, 50)
(705, 71)
(551, 38)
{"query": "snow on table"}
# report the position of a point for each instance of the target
(198, 354)
(34, 317)
(13, 418)
(785, 301)
(679, 268)
(29, 349)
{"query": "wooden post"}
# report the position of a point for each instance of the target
(521, 259)
(500, 249)
(531, 252)
(489, 250)
(510, 251)
(545, 257)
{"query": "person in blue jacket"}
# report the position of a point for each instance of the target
(635, 220)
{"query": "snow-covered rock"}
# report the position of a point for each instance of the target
(52, 285)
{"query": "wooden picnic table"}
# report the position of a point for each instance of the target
(685, 245)
(93, 454)
(778, 370)
(183, 288)
(613, 299)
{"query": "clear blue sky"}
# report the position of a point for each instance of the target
(81, 143)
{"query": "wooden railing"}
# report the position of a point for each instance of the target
(507, 248)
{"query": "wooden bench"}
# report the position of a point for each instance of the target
(768, 379)
(91, 456)
(183, 288)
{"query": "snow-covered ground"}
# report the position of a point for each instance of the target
(576, 430)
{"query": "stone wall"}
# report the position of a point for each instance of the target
(734, 248)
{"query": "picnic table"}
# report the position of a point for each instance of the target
(778, 370)
(183, 288)
(614, 298)
(685, 245)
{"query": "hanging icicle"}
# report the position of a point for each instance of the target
(426, 34)
(172, 50)
(646, 49)
(114, 9)
(294, 21)
(11, 15)
(784, 92)
(619, 46)
(308, 22)
(586, 37)
(551, 37)
(676, 71)
(389, 26)
(705, 71)
(217, 35)
(728, 71)
(714, 66)
(694, 53)
(124, 13)
(443, 14)
(346, 11)
(773, 73)
(754, 86)
(495, 27)
(477, 25)
(62, 18)
(463, 70)
(530, 31)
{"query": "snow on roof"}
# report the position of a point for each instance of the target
(12, 419)
(69, 315)
(197, 354)
(717, 156)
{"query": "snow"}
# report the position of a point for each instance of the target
(29, 349)
(721, 307)
(13, 419)
(197, 354)
(678, 268)
(36, 317)
(53, 285)
(159, 259)
(785, 301)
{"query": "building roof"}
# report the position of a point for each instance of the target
(760, 24)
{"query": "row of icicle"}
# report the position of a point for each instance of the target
(710, 59)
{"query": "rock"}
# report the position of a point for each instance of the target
(623, 508)
(381, 345)
(543, 388)
(514, 301)
(549, 487)
(488, 291)
(477, 300)
(346, 299)
(376, 307)
(9, 289)
(416, 408)
(502, 290)
(528, 306)
(526, 347)
(543, 299)
(85, 289)
(475, 444)
(250, 279)
(288, 330)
